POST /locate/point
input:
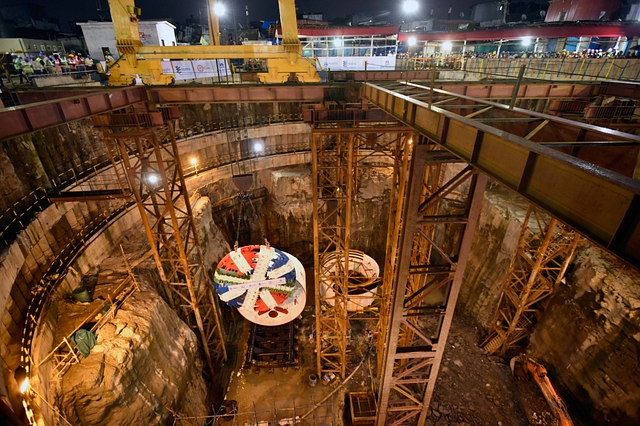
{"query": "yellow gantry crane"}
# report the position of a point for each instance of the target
(284, 62)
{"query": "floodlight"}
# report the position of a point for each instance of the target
(410, 6)
(219, 9)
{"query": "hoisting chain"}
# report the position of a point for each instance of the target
(244, 197)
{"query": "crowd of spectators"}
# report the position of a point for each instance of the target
(27, 66)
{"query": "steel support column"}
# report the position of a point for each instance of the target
(602, 205)
(544, 251)
(340, 153)
(397, 196)
(438, 220)
(154, 173)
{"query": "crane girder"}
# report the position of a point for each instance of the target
(146, 61)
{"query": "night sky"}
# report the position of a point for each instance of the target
(390, 10)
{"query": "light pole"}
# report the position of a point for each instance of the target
(214, 10)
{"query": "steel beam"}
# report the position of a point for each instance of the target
(545, 249)
(432, 256)
(155, 177)
(340, 153)
(238, 94)
(24, 119)
(602, 205)
(539, 127)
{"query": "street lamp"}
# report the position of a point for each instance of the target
(410, 6)
(412, 41)
(446, 46)
(526, 42)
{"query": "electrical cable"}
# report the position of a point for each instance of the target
(341, 385)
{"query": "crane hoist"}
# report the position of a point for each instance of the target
(284, 62)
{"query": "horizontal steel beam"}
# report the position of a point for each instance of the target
(103, 194)
(238, 94)
(619, 158)
(24, 119)
(602, 205)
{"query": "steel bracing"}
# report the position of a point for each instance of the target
(155, 177)
(579, 173)
(339, 155)
(439, 215)
(545, 248)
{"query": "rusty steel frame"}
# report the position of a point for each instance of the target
(25, 119)
(339, 154)
(167, 217)
(545, 249)
(333, 177)
(587, 140)
(439, 217)
(397, 194)
(601, 205)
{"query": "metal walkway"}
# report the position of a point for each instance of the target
(592, 195)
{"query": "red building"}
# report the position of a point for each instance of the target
(582, 10)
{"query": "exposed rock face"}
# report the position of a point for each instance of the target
(494, 243)
(214, 246)
(590, 333)
(290, 211)
(145, 361)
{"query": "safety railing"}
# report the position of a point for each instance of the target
(321, 413)
(16, 217)
(585, 69)
(80, 237)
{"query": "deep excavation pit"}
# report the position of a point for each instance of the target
(145, 368)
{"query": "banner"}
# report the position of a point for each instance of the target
(357, 63)
(187, 70)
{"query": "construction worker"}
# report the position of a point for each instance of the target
(36, 65)
(88, 62)
(27, 68)
(71, 60)
(3, 69)
(17, 66)
(80, 67)
(49, 65)
(63, 63)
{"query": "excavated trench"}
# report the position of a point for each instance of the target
(145, 367)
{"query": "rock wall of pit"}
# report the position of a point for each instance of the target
(145, 362)
(589, 335)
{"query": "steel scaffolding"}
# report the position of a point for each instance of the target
(439, 216)
(339, 154)
(146, 145)
(545, 249)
